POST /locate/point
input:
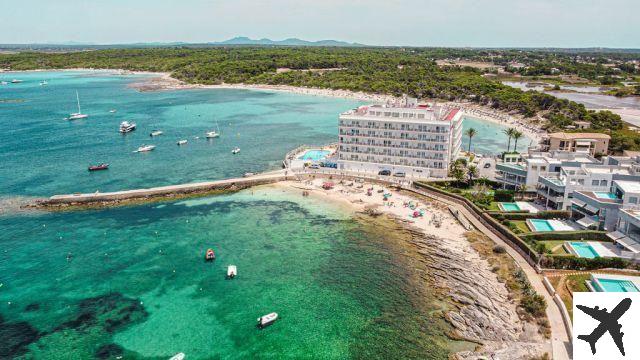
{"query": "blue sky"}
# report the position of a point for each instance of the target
(509, 23)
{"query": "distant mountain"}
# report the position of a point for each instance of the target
(243, 40)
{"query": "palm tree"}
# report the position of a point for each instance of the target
(516, 135)
(470, 132)
(472, 171)
(509, 133)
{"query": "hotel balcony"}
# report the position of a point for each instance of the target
(342, 133)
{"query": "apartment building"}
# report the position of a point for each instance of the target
(586, 143)
(407, 139)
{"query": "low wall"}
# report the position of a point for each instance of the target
(163, 191)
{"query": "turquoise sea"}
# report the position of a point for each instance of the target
(131, 283)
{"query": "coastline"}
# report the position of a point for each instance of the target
(481, 309)
(160, 81)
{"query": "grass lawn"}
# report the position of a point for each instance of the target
(551, 244)
(568, 285)
(522, 225)
(494, 206)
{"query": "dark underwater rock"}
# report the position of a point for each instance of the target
(15, 338)
(109, 351)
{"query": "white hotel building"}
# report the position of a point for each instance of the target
(417, 140)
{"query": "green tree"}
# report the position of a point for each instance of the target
(516, 135)
(472, 172)
(509, 133)
(470, 132)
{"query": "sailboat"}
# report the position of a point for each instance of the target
(79, 114)
(214, 134)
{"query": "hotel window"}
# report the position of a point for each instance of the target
(633, 200)
(580, 181)
(603, 182)
(595, 182)
(420, 116)
(395, 114)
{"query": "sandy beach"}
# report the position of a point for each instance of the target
(484, 311)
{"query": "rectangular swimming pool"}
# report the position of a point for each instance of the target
(509, 206)
(605, 195)
(614, 285)
(584, 250)
(314, 155)
(540, 225)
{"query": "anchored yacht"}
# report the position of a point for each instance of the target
(145, 148)
(79, 114)
(126, 127)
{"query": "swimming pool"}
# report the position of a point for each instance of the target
(314, 155)
(605, 195)
(509, 206)
(614, 285)
(540, 225)
(584, 250)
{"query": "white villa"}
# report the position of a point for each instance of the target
(407, 139)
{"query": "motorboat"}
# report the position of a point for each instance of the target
(182, 142)
(16, 81)
(79, 114)
(210, 255)
(232, 271)
(248, 174)
(266, 320)
(145, 148)
(178, 356)
(235, 151)
(212, 134)
(126, 127)
(155, 133)
(113, 111)
(44, 83)
(102, 166)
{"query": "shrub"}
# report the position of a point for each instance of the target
(567, 235)
(571, 262)
(534, 304)
(503, 195)
(499, 249)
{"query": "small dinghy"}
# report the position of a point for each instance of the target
(182, 142)
(267, 320)
(155, 133)
(113, 111)
(232, 271)
(178, 356)
(102, 166)
(210, 255)
(235, 151)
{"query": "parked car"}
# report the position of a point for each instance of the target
(314, 166)
(384, 172)
(399, 174)
(487, 165)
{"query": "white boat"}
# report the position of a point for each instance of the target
(214, 134)
(79, 114)
(267, 320)
(178, 356)
(113, 111)
(248, 174)
(235, 151)
(145, 148)
(16, 81)
(155, 133)
(126, 127)
(232, 271)
(44, 83)
(182, 142)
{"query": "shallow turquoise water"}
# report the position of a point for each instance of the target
(490, 139)
(42, 154)
(132, 280)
